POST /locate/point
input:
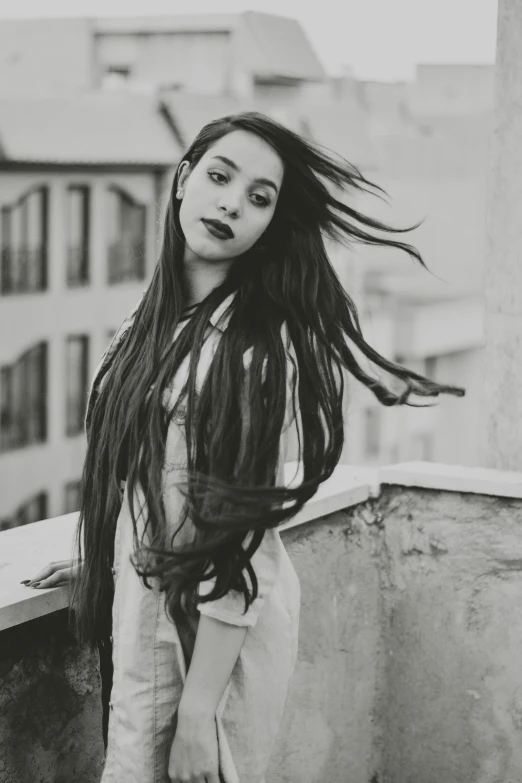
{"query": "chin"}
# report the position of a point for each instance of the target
(207, 251)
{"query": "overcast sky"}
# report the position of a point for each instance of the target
(377, 39)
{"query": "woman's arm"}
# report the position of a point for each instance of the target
(194, 754)
(216, 650)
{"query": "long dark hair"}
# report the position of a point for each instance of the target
(286, 278)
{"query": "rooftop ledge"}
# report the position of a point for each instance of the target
(26, 550)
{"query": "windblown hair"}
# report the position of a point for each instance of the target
(286, 278)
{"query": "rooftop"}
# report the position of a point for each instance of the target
(92, 128)
(408, 665)
(332, 124)
(191, 111)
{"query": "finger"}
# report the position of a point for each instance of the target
(49, 569)
(61, 577)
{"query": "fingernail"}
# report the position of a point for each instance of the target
(25, 582)
(36, 584)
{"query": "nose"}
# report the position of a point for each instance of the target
(230, 204)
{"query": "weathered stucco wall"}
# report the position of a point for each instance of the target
(409, 654)
(328, 732)
(451, 702)
(50, 709)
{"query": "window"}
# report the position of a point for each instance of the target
(125, 236)
(77, 236)
(33, 510)
(24, 244)
(71, 497)
(77, 364)
(372, 432)
(23, 400)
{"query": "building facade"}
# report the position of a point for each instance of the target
(79, 243)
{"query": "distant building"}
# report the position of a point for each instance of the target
(80, 190)
(249, 55)
(432, 162)
(431, 159)
(438, 91)
(388, 106)
(440, 338)
(453, 90)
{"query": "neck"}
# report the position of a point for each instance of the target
(201, 277)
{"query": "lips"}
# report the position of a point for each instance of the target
(218, 229)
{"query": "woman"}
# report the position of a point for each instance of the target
(236, 349)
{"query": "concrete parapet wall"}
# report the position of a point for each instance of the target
(451, 698)
(50, 708)
(409, 651)
(329, 731)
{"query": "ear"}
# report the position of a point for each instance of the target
(183, 172)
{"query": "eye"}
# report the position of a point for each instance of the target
(264, 201)
(213, 174)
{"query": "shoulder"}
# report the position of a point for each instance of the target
(121, 331)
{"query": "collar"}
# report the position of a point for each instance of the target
(219, 319)
(221, 315)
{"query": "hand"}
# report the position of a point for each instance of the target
(194, 753)
(57, 573)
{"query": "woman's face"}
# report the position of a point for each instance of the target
(236, 183)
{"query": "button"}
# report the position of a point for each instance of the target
(111, 705)
(113, 571)
(179, 416)
(111, 639)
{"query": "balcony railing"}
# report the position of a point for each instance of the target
(409, 637)
(126, 261)
(23, 270)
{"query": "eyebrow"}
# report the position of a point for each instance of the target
(260, 180)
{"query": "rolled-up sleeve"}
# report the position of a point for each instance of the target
(230, 608)
(266, 561)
